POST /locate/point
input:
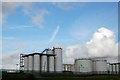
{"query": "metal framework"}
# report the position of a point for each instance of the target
(21, 62)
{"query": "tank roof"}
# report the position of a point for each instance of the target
(83, 59)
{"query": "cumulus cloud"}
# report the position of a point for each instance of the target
(102, 45)
(74, 51)
(54, 34)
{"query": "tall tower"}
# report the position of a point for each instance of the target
(21, 62)
(58, 59)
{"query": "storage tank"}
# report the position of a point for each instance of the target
(51, 63)
(108, 68)
(58, 59)
(30, 63)
(44, 63)
(26, 63)
(118, 68)
(36, 62)
(111, 68)
(100, 66)
(50, 60)
(83, 65)
(115, 68)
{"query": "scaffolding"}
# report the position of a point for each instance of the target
(21, 62)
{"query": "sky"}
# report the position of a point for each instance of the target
(82, 29)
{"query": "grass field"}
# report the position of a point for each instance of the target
(27, 76)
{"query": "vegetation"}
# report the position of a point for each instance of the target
(28, 76)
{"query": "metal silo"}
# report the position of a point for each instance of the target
(111, 68)
(58, 59)
(36, 62)
(51, 63)
(30, 63)
(44, 63)
(83, 65)
(100, 66)
(26, 63)
(50, 60)
(117, 65)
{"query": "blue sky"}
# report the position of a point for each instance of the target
(34, 26)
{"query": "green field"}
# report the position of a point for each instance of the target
(27, 76)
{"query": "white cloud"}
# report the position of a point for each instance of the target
(38, 19)
(101, 45)
(36, 16)
(9, 60)
(20, 27)
(54, 34)
(74, 51)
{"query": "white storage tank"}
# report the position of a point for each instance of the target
(36, 62)
(44, 63)
(26, 63)
(50, 60)
(51, 63)
(115, 67)
(111, 68)
(58, 59)
(100, 66)
(83, 65)
(30, 63)
(118, 68)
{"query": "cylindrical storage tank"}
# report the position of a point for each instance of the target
(36, 62)
(58, 59)
(49, 51)
(114, 68)
(83, 65)
(51, 63)
(44, 63)
(108, 68)
(26, 63)
(30, 63)
(111, 68)
(94, 68)
(117, 68)
(100, 66)
(50, 60)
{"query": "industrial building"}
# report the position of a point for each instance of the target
(68, 67)
(83, 65)
(114, 68)
(95, 66)
(50, 60)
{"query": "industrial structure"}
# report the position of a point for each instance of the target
(68, 67)
(95, 66)
(83, 65)
(50, 60)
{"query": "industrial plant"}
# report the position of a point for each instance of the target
(50, 61)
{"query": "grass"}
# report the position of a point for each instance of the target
(28, 76)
